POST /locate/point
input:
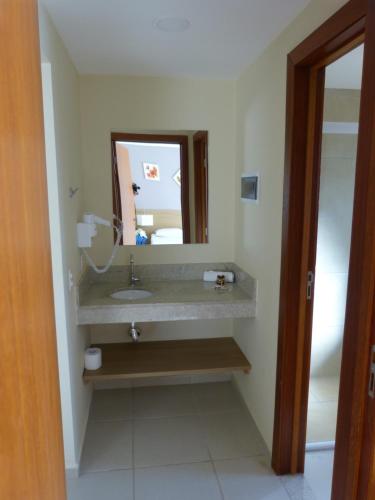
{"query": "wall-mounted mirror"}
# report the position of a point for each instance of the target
(160, 187)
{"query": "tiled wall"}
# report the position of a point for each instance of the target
(334, 233)
(339, 153)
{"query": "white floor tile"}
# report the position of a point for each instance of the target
(318, 473)
(176, 431)
(232, 435)
(169, 441)
(249, 479)
(322, 412)
(113, 485)
(163, 401)
(108, 446)
(298, 488)
(219, 397)
(111, 404)
(177, 482)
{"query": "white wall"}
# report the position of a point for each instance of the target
(260, 110)
(64, 170)
(126, 104)
(339, 152)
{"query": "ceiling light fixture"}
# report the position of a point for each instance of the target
(172, 24)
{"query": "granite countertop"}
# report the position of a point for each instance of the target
(171, 300)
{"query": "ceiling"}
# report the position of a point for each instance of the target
(119, 36)
(346, 72)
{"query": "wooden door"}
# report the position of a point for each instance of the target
(366, 486)
(201, 186)
(128, 215)
(354, 469)
(31, 446)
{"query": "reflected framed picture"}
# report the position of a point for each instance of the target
(177, 177)
(151, 171)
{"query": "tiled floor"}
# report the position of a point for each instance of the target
(318, 472)
(191, 442)
(322, 413)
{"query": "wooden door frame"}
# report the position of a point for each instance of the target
(201, 189)
(123, 194)
(340, 33)
(116, 193)
(182, 141)
(31, 445)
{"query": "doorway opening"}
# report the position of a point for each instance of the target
(335, 211)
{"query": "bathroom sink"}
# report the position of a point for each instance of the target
(131, 294)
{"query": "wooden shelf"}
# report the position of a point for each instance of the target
(177, 357)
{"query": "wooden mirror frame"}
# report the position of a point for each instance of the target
(182, 141)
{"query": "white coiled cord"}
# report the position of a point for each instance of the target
(100, 270)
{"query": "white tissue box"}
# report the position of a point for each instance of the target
(145, 220)
(212, 276)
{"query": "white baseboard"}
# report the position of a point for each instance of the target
(320, 446)
(72, 472)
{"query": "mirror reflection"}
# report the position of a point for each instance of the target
(160, 187)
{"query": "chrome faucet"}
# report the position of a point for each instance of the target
(133, 279)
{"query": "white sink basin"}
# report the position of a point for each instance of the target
(131, 294)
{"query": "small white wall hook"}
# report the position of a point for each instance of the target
(73, 191)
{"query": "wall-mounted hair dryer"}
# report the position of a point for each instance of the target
(86, 230)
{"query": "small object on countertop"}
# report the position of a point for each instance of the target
(212, 276)
(221, 285)
(141, 237)
(93, 358)
(220, 280)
